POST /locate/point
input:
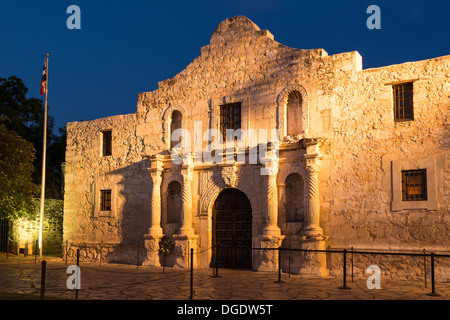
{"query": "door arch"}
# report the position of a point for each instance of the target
(232, 229)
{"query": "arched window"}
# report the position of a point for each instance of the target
(174, 202)
(176, 123)
(294, 113)
(294, 188)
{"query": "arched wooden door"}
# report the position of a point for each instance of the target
(232, 229)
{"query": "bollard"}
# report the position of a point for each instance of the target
(344, 286)
(432, 293)
(192, 276)
(44, 264)
(279, 266)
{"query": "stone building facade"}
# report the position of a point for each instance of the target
(357, 158)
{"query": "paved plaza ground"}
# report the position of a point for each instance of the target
(128, 282)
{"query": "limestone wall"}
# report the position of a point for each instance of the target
(366, 143)
(124, 172)
(349, 109)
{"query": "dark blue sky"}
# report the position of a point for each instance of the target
(126, 47)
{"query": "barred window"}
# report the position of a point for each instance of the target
(105, 200)
(107, 143)
(414, 185)
(403, 102)
(230, 118)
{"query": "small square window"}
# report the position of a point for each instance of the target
(105, 200)
(403, 102)
(414, 185)
(107, 141)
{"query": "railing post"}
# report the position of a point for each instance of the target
(279, 266)
(216, 262)
(44, 264)
(67, 246)
(344, 286)
(192, 275)
(137, 256)
(432, 293)
(425, 267)
(36, 250)
(289, 260)
(352, 264)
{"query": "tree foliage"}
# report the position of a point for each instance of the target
(25, 116)
(16, 167)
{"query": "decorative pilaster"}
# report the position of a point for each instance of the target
(271, 221)
(156, 176)
(187, 173)
(155, 232)
(185, 238)
(271, 238)
(313, 229)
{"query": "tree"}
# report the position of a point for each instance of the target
(17, 190)
(26, 118)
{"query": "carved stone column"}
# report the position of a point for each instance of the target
(186, 196)
(313, 228)
(155, 232)
(313, 238)
(271, 238)
(185, 238)
(271, 220)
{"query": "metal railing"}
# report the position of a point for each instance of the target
(344, 253)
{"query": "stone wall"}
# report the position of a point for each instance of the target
(25, 231)
(347, 109)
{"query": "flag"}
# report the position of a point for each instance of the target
(44, 80)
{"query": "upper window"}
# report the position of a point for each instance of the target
(175, 124)
(403, 102)
(414, 185)
(107, 143)
(294, 113)
(230, 119)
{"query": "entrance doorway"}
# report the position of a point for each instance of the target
(232, 229)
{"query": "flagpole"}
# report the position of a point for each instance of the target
(44, 156)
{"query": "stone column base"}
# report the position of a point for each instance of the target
(266, 260)
(151, 243)
(313, 263)
(182, 250)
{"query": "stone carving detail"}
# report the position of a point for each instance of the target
(313, 185)
(216, 184)
(229, 176)
(156, 189)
